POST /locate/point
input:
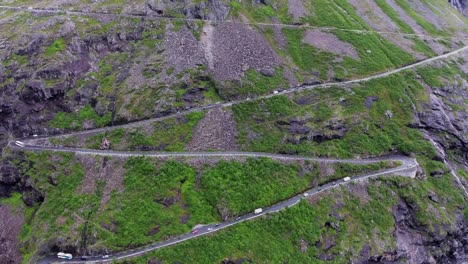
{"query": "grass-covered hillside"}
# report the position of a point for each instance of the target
(109, 204)
(69, 66)
(346, 225)
(92, 205)
(102, 69)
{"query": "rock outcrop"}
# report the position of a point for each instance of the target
(421, 245)
(445, 117)
(39, 78)
(461, 5)
(11, 180)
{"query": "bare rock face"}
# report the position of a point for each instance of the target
(207, 10)
(211, 10)
(40, 84)
(440, 116)
(421, 245)
(300, 131)
(461, 5)
(11, 179)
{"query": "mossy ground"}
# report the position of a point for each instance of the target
(369, 130)
(148, 184)
(279, 237)
(157, 199)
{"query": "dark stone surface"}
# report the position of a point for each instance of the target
(461, 5)
(370, 100)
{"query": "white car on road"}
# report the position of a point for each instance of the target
(19, 144)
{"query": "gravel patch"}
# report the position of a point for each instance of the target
(182, 50)
(325, 170)
(436, 47)
(206, 41)
(314, 199)
(102, 168)
(456, 17)
(10, 227)
(278, 35)
(428, 15)
(406, 18)
(359, 190)
(237, 48)
(296, 9)
(329, 42)
(92, 173)
(216, 131)
(379, 21)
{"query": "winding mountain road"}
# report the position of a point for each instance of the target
(260, 97)
(407, 167)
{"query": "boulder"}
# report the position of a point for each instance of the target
(437, 173)
(433, 196)
(370, 100)
(267, 71)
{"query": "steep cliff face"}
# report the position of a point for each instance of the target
(444, 116)
(461, 5)
(419, 244)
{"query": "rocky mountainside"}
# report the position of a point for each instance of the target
(60, 63)
(461, 5)
(78, 65)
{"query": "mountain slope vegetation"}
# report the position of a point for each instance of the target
(69, 66)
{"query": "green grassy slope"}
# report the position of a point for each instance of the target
(299, 234)
(120, 204)
(126, 203)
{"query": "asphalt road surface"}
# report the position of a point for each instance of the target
(408, 165)
(286, 91)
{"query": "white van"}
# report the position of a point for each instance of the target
(346, 179)
(62, 255)
(258, 210)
